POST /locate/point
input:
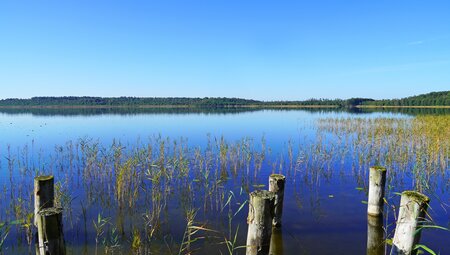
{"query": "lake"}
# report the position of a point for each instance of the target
(177, 181)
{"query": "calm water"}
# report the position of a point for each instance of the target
(324, 210)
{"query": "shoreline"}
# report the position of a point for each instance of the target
(159, 106)
(404, 106)
(250, 106)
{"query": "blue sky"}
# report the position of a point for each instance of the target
(269, 50)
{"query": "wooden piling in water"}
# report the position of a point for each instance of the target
(377, 181)
(50, 229)
(44, 194)
(259, 222)
(276, 185)
(47, 218)
(413, 207)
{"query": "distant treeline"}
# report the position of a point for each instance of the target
(430, 99)
(321, 102)
(162, 101)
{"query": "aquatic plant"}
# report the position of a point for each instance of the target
(4, 231)
(231, 240)
(144, 184)
(100, 227)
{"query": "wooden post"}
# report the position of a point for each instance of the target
(276, 185)
(50, 228)
(413, 207)
(44, 194)
(276, 242)
(375, 236)
(259, 222)
(377, 181)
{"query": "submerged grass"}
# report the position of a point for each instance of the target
(144, 188)
(419, 147)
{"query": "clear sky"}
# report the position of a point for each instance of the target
(269, 50)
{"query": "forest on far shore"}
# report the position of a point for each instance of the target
(429, 99)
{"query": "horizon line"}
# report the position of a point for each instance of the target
(207, 97)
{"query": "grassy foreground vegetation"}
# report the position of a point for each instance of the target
(163, 196)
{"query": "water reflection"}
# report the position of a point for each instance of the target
(375, 236)
(120, 111)
(149, 184)
(276, 242)
(80, 111)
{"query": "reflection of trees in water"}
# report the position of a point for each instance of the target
(152, 110)
(121, 111)
(404, 110)
(92, 111)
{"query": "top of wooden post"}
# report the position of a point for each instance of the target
(379, 168)
(43, 177)
(263, 194)
(278, 176)
(416, 196)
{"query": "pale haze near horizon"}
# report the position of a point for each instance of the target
(254, 49)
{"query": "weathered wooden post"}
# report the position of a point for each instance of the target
(413, 207)
(276, 242)
(259, 222)
(375, 236)
(50, 229)
(44, 194)
(377, 181)
(276, 185)
(47, 218)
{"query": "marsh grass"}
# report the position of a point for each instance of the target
(4, 231)
(145, 185)
(418, 147)
(231, 241)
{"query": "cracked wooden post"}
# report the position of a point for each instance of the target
(413, 207)
(375, 236)
(276, 185)
(259, 222)
(44, 194)
(50, 228)
(377, 181)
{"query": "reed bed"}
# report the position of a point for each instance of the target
(165, 196)
(412, 147)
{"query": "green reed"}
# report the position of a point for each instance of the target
(138, 182)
